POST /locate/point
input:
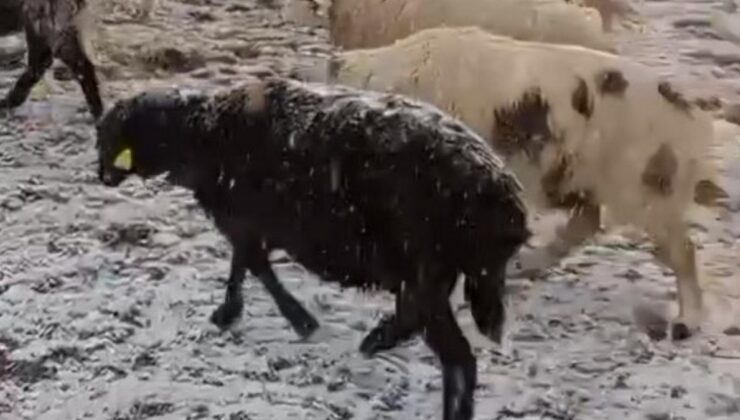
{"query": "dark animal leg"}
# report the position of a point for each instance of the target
(299, 318)
(251, 256)
(39, 60)
(393, 329)
(233, 304)
(73, 55)
(444, 337)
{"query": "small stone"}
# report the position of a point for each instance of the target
(621, 381)
(280, 363)
(144, 359)
(731, 112)
(732, 331)
(722, 405)
(654, 325)
(12, 203)
(678, 392)
(165, 239)
(631, 274)
(658, 416)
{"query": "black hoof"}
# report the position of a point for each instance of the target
(306, 326)
(381, 338)
(225, 315)
(680, 331)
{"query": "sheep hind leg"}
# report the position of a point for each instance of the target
(73, 55)
(583, 223)
(677, 251)
(39, 60)
(294, 312)
(251, 256)
(445, 338)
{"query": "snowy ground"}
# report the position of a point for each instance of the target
(105, 294)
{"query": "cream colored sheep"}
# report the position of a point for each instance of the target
(356, 24)
(580, 128)
(621, 11)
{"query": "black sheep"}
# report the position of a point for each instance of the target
(365, 189)
(52, 29)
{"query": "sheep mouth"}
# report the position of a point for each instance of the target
(111, 177)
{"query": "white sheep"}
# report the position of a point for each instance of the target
(610, 11)
(372, 23)
(580, 128)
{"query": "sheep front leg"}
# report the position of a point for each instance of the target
(233, 304)
(299, 318)
(39, 60)
(583, 223)
(678, 252)
(251, 255)
(73, 55)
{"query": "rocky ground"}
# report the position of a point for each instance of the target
(105, 294)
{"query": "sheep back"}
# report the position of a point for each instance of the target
(599, 123)
(359, 187)
(372, 23)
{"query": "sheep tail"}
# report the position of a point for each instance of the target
(485, 293)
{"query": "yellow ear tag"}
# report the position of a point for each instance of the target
(123, 160)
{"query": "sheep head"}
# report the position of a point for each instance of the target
(143, 135)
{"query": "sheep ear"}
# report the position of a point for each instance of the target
(124, 160)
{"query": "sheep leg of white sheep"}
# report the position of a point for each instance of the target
(39, 60)
(251, 256)
(676, 250)
(73, 55)
(583, 223)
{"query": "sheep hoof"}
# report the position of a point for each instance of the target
(225, 315)
(681, 331)
(381, 338)
(306, 327)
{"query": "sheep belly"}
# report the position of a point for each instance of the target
(328, 234)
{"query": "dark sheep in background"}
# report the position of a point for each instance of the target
(11, 19)
(53, 29)
(368, 190)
